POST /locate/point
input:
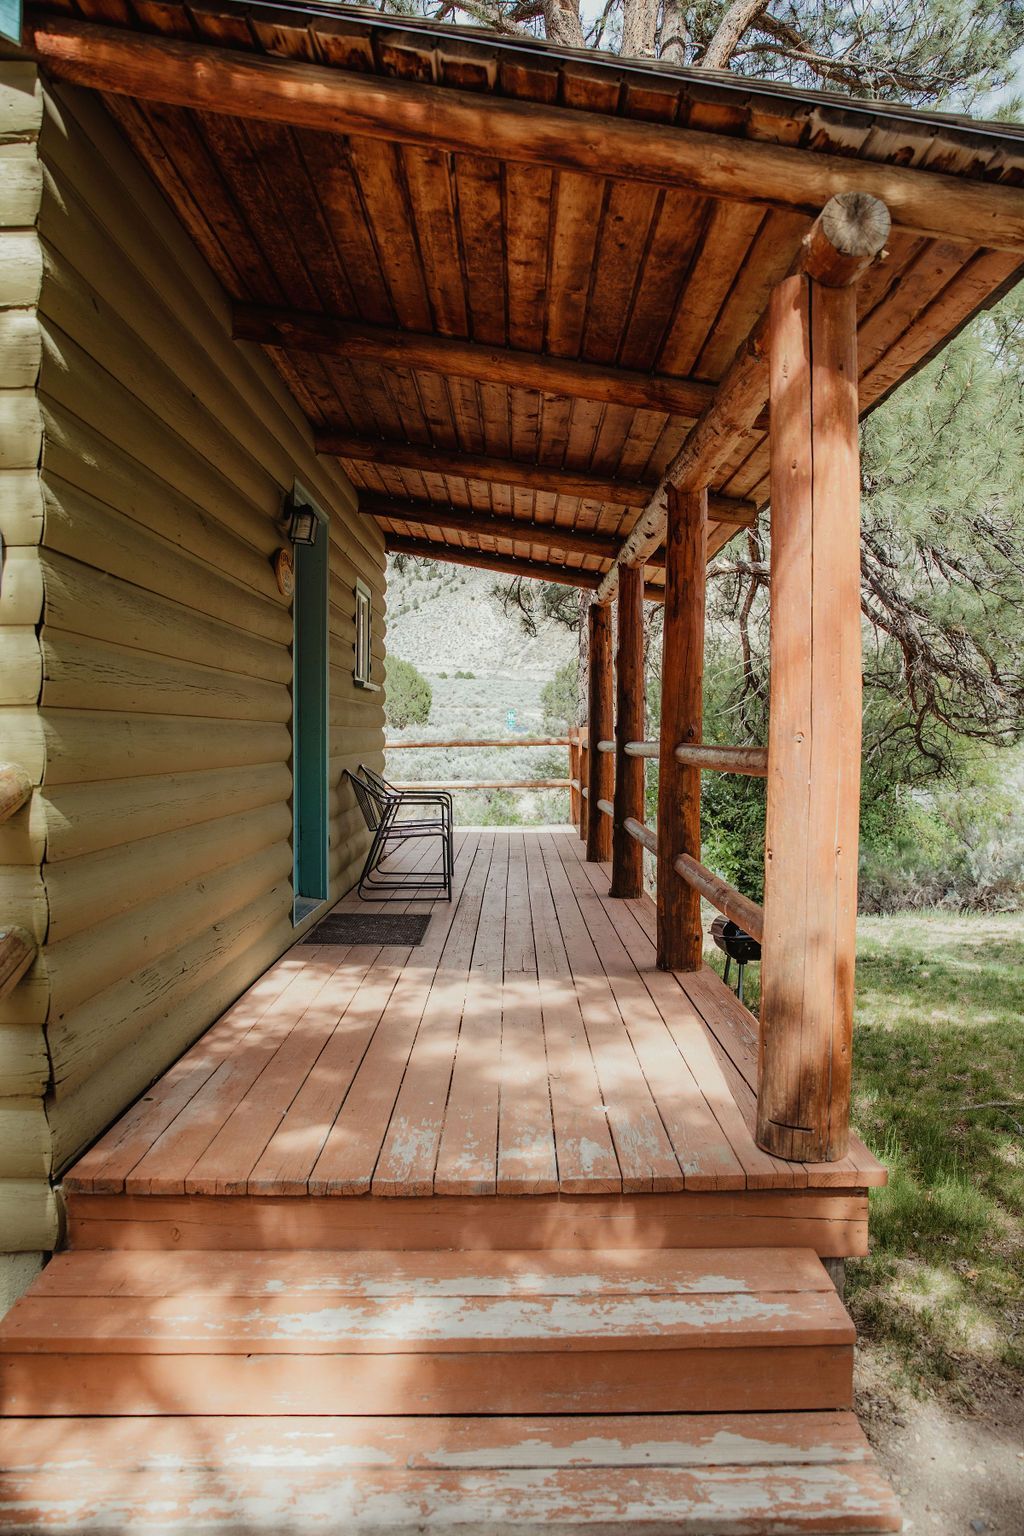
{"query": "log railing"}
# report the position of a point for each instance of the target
(571, 782)
(799, 359)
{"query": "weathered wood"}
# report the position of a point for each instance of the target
(680, 936)
(606, 807)
(484, 784)
(574, 780)
(861, 225)
(748, 760)
(642, 834)
(15, 789)
(815, 727)
(536, 477)
(599, 724)
(329, 335)
(537, 570)
(630, 700)
(331, 100)
(722, 895)
(525, 741)
(18, 949)
(584, 784)
(430, 514)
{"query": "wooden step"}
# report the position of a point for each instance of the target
(428, 1333)
(707, 1475)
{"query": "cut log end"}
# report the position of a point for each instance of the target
(15, 789)
(848, 235)
(17, 951)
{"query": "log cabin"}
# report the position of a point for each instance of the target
(526, 1224)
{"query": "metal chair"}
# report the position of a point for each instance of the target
(412, 796)
(381, 812)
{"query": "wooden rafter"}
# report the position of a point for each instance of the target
(507, 565)
(433, 514)
(304, 95)
(535, 477)
(848, 235)
(301, 331)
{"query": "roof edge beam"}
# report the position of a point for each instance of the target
(437, 514)
(328, 335)
(532, 570)
(553, 481)
(304, 95)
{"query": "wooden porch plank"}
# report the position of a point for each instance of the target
(467, 1156)
(408, 1154)
(641, 1143)
(584, 1148)
(349, 1156)
(527, 1162)
(686, 1027)
(700, 1143)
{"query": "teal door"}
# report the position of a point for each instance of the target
(310, 721)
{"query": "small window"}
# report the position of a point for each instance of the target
(363, 621)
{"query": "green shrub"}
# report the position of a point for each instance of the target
(559, 699)
(408, 695)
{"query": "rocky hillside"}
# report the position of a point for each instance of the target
(486, 674)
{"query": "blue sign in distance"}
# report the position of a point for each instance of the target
(510, 719)
(10, 20)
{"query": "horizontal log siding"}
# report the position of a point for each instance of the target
(147, 685)
(28, 1212)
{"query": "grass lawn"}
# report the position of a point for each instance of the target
(939, 1032)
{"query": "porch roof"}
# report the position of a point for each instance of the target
(501, 279)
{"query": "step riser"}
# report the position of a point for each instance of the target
(614, 1381)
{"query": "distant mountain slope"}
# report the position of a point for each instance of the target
(444, 620)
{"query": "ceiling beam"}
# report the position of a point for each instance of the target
(438, 514)
(844, 240)
(225, 80)
(533, 477)
(302, 331)
(507, 565)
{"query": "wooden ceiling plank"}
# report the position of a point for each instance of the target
(679, 228)
(305, 330)
(767, 262)
(528, 190)
(626, 225)
(330, 172)
(432, 213)
(577, 219)
(482, 236)
(727, 239)
(848, 235)
(378, 173)
(307, 95)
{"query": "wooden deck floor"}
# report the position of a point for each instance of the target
(527, 1047)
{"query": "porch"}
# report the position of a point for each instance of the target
(529, 1047)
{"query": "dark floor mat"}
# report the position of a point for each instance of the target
(369, 928)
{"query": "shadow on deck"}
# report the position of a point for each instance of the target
(527, 1049)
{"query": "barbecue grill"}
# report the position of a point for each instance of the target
(736, 944)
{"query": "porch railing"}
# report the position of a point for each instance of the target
(477, 784)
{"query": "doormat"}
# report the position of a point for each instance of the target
(369, 928)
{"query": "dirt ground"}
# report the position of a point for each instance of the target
(956, 1470)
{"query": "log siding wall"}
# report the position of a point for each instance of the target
(146, 647)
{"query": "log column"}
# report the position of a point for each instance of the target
(627, 854)
(599, 726)
(680, 937)
(814, 736)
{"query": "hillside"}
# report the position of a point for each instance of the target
(486, 674)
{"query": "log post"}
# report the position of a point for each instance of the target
(627, 854)
(814, 734)
(584, 750)
(599, 725)
(680, 936)
(574, 774)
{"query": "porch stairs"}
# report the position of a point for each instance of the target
(703, 1392)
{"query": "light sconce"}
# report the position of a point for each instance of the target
(302, 522)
